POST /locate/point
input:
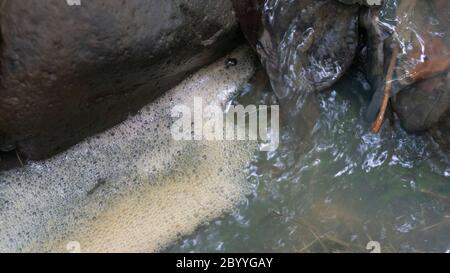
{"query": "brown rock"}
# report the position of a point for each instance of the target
(423, 105)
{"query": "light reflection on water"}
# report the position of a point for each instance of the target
(338, 189)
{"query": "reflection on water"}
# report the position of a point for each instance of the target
(338, 189)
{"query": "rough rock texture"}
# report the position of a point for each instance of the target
(423, 105)
(68, 72)
(419, 93)
(424, 82)
(304, 45)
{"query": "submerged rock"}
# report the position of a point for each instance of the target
(305, 46)
(424, 42)
(420, 33)
(370, 3)
(423, 68)
(423, 105)
(68, 72)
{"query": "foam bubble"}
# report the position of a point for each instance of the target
(132, 188)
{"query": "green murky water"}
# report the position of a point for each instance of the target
(337, 189)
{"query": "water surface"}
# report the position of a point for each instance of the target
(339, 188)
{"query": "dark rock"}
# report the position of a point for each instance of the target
(249, 14)
(304, 45)
(424, 54)
(68, 72)
(369, 3)
(425, 104)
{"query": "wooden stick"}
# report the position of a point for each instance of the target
(378, 123)
(18, 158)
(406, 7)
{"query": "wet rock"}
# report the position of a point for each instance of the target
(376, 51)
(424, 42)
(422, 62)
(369, 3)
(425, 104)
(68, 72)
(441, 9)
(423, 70)
(372, 42)
(305, 46)
(249, 14)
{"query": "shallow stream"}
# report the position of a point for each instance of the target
(339, 188)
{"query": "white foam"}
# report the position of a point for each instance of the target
(131, 188)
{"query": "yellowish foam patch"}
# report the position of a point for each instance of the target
(149, 218)
(132, 188)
